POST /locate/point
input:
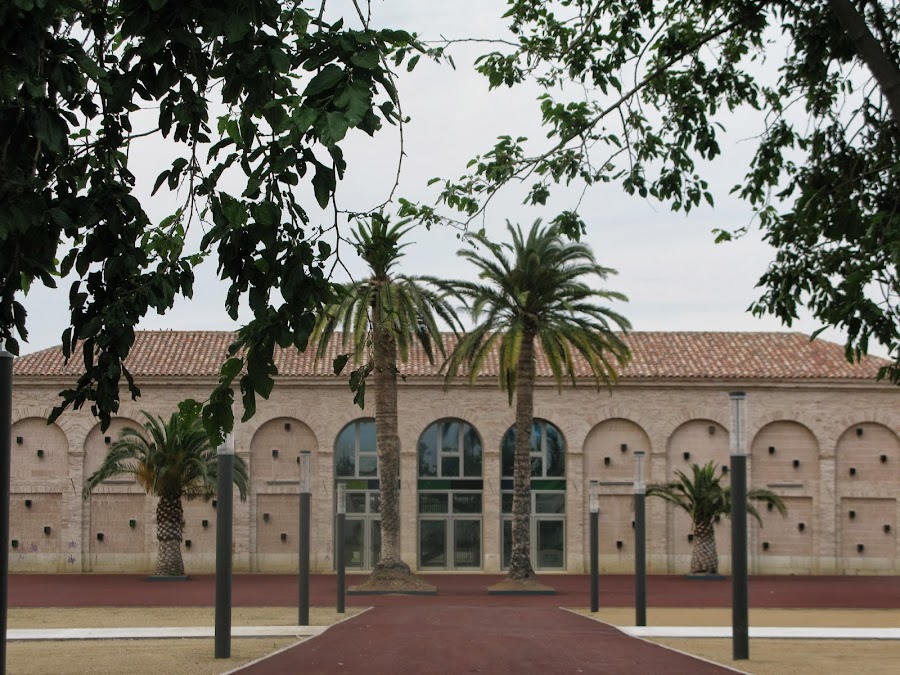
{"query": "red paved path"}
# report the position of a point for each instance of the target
(81, 590)
(464, 630)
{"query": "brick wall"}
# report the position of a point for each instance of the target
(814, 424)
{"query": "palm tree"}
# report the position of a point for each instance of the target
(535, 289)
(170, 460)
(381, 318)
(704, 498)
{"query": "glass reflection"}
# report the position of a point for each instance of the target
(433, 543)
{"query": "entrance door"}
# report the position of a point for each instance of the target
(362, 530)
(449, 530)
(548, 530)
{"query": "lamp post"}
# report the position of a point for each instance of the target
(739, 610)
(6, 381)
(303, 568)
(339, 536)
(224, 507)
(640, 541)
(594, 504)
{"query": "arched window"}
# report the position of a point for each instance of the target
(548, 451)
(548, 496)
(450, 449)
(450, 496)
(355, 453)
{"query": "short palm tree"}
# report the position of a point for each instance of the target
(170, 460)
(540, 288)
(381, 318)
(704, 498)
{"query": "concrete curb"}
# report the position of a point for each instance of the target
(764, 632)
(157, 633)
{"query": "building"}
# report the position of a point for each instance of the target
(821, 432)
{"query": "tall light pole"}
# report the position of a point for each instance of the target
(640, 541)
(6, 381)
(303, 567)
(594, 505)
(339, 552)
(224, 509)
(739, 606)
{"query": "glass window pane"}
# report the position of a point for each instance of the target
(344, 456)
(356, 502)
(471, 452)
(466, 503)
(536, 436)
(367, 437)
(434, 502)
(537, 465)
(466, 543)
(428, 452)
(433, 543)
(556, 452)
(506, 547)
(449, 466)
(506, 501)
(550, 544)
(368, 465)
(549, 502)
(508, 452)
(353, 542)
(450, 437)
(374, 502)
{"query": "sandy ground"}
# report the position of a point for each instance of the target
(195, 656)
(780, 657)
(147, 657)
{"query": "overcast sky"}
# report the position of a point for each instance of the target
(676, 277)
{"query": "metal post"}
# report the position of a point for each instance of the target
(6, 381)
(303, 567)
(339, 535)
(224, 507)
(739, 605)
(594, 504)
(640, 542)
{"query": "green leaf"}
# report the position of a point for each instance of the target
(337, 126)
(340, 362)
(156, 5)
(326, 79)
(365, 58)
(323, 185)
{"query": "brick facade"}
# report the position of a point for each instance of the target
(829, 447)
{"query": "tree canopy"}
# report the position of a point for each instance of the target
(637, 94)
(257, 95)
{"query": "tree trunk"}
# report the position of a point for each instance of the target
(705, 558)
(169, 529)
(520, 557)
(388, 444)
(870, 52)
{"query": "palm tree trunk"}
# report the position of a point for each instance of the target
(705, 558)
(169, 529)
(520, 557)
(388, 445)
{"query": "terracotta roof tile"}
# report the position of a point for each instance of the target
(656, 355)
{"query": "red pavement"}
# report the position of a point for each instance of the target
(463, 629)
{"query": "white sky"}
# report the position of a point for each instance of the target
(676, 277)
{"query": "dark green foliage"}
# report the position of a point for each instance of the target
(403, 305)
(168, 459)
(703, 497)
(72, 79)
(538, 284)
(638, 93)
